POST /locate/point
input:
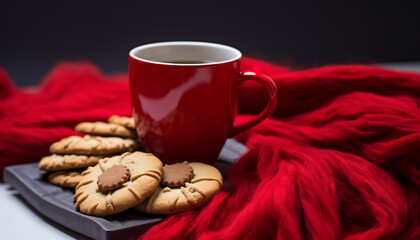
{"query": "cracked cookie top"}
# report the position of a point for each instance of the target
(105, 129)
(92, 145)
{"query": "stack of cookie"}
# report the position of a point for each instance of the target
(72, 155)
(114, 183)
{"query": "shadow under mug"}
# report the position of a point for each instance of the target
(184, 98)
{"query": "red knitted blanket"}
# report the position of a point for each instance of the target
(339, 158)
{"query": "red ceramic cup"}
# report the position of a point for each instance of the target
(184, 98)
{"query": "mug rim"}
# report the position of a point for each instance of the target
(133, 51)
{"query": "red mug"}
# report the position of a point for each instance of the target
(184, 98)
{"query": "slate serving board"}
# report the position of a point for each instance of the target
(57, 203)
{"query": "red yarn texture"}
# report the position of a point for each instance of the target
(339, 159)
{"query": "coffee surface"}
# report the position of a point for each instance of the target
(186, 62)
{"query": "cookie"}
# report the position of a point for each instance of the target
(105, 129)
(56, 162)
(92, 145)
(66, 179)
(127, 122)
(206, 182)
(145, 175)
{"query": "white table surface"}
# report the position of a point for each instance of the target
(19, 220)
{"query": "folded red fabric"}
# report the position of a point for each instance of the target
(338, 159)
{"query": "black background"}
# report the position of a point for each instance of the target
(34, 35)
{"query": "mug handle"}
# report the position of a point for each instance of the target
(271, 104)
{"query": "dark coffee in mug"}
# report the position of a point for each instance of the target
(186, 62)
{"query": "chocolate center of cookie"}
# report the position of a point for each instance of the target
(176, 175)
(113, 177)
